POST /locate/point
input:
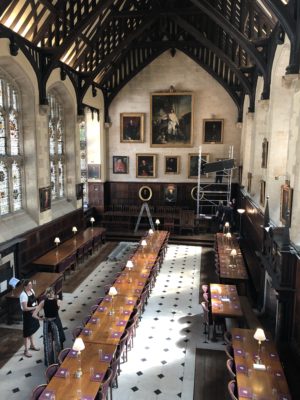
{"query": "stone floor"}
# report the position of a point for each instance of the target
(162, 362)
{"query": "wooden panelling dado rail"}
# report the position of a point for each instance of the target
(40, 240)
(101, 195)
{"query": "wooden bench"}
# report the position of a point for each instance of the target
(251, 319)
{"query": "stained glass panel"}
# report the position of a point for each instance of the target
(83, 162)
(1, 93)
(56, 147)
(4, 190)
(2, 136)
(14, 133)
(17, 188)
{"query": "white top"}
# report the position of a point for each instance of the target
(24, 298)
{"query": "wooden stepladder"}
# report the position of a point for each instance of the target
(145, 206)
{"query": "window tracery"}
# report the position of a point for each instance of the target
(56, 147)
(11, 159)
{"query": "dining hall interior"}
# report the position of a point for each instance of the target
(149, 187)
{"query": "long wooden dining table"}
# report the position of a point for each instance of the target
(232, 268)
(53, 258)
(104, 329)
(268, 382)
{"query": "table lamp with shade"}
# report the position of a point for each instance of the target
(150, 232)
(157, 223)
(144, 245)
(57, 241)
(233, 255)
(226, 228)
(260, 336)
(112, 292)
(129, 265)
(74, 230)
(241, 212)
(92, 220)
(228, 239)
(78, 346)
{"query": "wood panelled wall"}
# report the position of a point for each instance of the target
(267, 251)
(40, 240)
(127, 193)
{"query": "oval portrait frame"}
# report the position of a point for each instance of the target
(144, 197)
(194, 193)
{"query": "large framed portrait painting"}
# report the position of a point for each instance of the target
(213, 131)
(171, 119)
(132, 127)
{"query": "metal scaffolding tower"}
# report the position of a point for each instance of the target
(211, 193)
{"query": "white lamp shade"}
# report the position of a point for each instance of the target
(78, 344)
(227, 224)
(233, 252)
(92, 219)
(74, 229)
(129, 264)
(112, 291)
(150, 231)
(157, 221)
(259, 335)
(228, 235)
(241, 210)
(144, 243)
(57, 240)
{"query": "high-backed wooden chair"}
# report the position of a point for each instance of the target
(187, 221)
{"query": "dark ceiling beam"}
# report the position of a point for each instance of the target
(117, 52)
(289, 17)
(237, 100)
(3, 5)
(232, 31)
(211, 46)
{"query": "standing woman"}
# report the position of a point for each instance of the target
(28, 304)
(53, 333)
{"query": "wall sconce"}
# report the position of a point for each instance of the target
(78, 346)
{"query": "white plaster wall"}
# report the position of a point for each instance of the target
(210, 101)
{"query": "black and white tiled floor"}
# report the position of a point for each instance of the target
(161, 364)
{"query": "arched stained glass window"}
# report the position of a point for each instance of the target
(10, 149)
(83, 162)
(56, 147)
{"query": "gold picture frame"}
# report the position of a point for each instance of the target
(286, 199)
(146, 165)
(132, 128)
(213, 130)
(193, 159)
(145, 193)
(262, 194)
(172, 165)
(171, 120)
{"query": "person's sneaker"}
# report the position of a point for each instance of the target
(26, 354)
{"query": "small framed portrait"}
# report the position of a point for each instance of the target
(79, 191)
(146, 165)
(94, 171)
(172, 164)
(262, 193)
(171, 120)
(193, 164)
(45, 198)
(145, 193)
(213, 130)
(132, 127)
(264, 155)
(170, 193)
(249, 182)
(120, 164)
(286, 199)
